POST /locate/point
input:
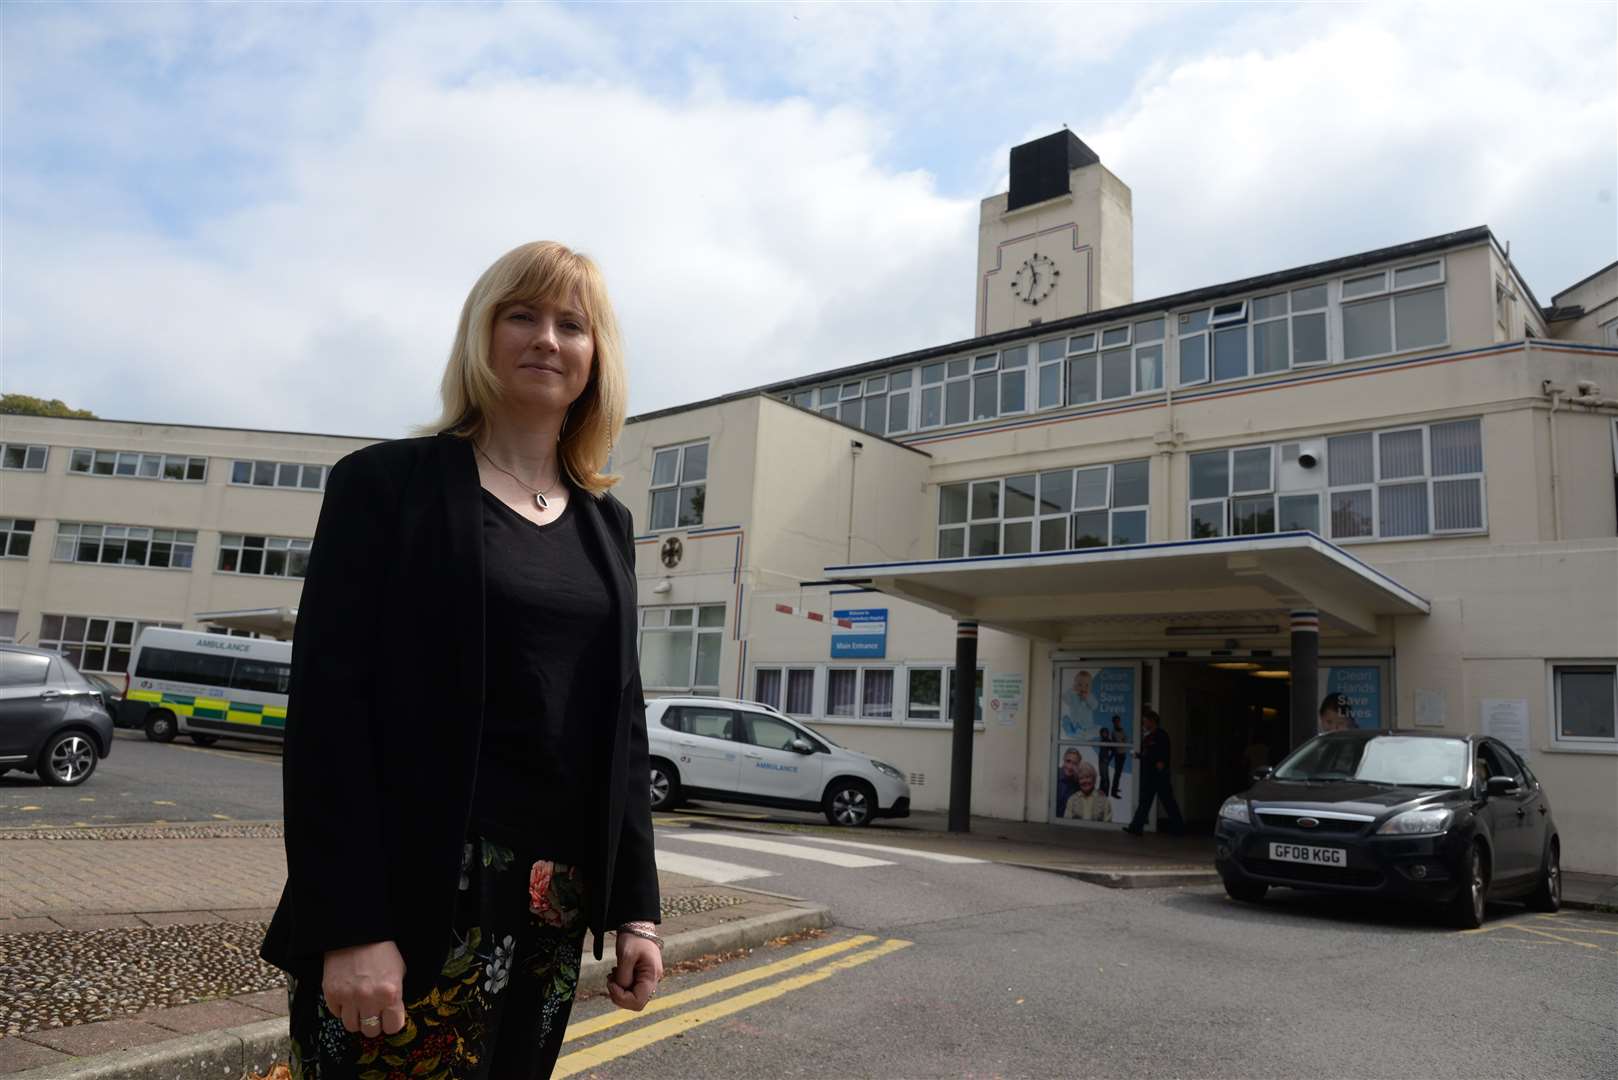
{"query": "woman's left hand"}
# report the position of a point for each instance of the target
(634, 980)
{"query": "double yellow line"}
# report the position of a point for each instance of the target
(641, 1037)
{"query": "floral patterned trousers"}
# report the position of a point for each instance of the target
(499, 1006)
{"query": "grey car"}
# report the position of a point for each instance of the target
(53, 721)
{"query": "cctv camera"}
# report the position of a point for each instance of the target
(1587, 388)
(1307, 460)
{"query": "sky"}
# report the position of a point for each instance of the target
(268, 215)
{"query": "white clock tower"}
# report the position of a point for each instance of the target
(1059, 243)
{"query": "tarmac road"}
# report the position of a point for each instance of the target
(142, 781)
(989, 970)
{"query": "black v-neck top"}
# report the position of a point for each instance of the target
(548, 615)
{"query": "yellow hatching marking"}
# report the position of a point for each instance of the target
(1556, 937)
(1577, 928)
(580, 1060)
(585, 1028)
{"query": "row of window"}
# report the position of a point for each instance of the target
(140, 545)
(130, 463)
(1056, 510)
(916, 693)
(181, 467)
(94, 643)
(1354, 318)
(215, 669)
(1394, 484)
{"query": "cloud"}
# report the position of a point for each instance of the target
(1317, 135)
(268, 215)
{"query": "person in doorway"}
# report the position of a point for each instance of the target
(1155, 780)
(1120, 754)
(1087, 803)
(1335, 714)
(462, 807)
(1079, 706)
(1258, 752)
(1067, 780)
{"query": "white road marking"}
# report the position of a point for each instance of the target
(709, 870)
(788, 851)
(935, 856)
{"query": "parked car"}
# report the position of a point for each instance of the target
(53, 722)
(112, 694)
(1448, 820)
(740, 751)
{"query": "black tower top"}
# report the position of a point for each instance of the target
(1039, 169)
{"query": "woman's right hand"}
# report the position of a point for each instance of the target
(366, 981)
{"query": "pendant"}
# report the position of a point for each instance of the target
(540, 500)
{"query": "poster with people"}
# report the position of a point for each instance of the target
(1094, 760)
(1358, 694)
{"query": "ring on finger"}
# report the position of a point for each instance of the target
(370, 1021)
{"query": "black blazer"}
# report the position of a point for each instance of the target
(386, 713)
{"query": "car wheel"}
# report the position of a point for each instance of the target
(665, 785)
(204, 740)
(850, 802)
(160, 727)
(68, 759)
(1248, 892)
(1547, 895)
(1466, 910)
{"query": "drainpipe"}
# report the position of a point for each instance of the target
(854, 448)
(1555, 394)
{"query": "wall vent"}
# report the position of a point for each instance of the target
(918, 779)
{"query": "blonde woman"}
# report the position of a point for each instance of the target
(465, 769)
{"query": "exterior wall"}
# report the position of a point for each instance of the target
(1088, 235)
(37, 585)
(1500, 617)
(1598, 295)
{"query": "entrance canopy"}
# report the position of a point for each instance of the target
(1172, 594)
(277, 622)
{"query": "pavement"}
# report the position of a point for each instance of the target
(134, 946)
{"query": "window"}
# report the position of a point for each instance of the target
(679, 647)
(679, 485)
(1058, 510)
(281, 474)
(259, 676)
(8, 627)
(16, 538)
(23, 669)
(263, 556)
(768, 732)
(124, 545)
(799, 686)
(94, 643)
(1052, 360)
(710, 723)
(23, 456)
(926, 701)
(129, 463)
(1586, 704)
(182, 666)
(866, 693)
(1396, 484)
(1405, 310)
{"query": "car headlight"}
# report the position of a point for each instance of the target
(1235, 809)
(887, 770)
(1416, 822)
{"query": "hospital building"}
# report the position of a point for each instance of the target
(1392, 475)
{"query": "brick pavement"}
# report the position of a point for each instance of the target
(61, 879)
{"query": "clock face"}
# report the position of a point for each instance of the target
(1035, 279)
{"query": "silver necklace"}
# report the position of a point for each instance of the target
(539, 495)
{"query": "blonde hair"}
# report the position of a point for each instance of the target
(543, 271)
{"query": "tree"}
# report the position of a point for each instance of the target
(23, 405)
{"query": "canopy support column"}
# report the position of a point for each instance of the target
(966, 708)
(1305, 676)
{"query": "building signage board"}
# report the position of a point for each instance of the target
(1507, 720)
(867, 639)
(1005, 697)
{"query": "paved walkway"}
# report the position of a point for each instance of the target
(69, 878)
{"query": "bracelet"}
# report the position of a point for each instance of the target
(636, 930)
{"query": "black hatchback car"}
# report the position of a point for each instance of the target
(1450, 820)
(53, 722)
